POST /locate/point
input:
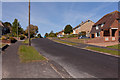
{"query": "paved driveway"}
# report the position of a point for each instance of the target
(79, 63)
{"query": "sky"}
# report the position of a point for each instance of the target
(55, 15)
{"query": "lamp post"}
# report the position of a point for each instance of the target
(29, 27)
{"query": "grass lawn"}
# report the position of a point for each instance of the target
(103, 50)
(26, 41)
(114, 46)
(29, 54)
(65, 42)
(2, 45)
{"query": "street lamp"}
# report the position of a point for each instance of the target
(29, 27)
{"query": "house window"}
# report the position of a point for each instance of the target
(97, 27)
(102, 25)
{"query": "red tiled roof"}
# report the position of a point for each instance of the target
(61, 31)
(108, 19)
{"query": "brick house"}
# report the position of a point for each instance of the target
(107, 28)
(84, 27)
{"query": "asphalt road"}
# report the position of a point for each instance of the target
(79, 63)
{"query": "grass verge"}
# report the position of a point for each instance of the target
(65, 42)
(2, 45)
(29, 54)
(26, 41)
(114, 46)
(104, 50)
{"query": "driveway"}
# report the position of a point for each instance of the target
(79, 63)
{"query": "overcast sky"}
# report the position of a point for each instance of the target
(55, 15)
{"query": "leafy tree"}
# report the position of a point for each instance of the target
(39, 36)
(7, 26)
(16, 26)
(68, 29)
(33, 30)
(52, 34)
(46, 34)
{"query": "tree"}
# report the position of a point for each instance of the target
(39, 36)
(52, 34)
(46, 34)
(7, 26)
(16, 26)
(33, 30)
(68, 29)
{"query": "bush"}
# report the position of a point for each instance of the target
(22, 37)
(13, 40)
(3, 38)
(71, 36)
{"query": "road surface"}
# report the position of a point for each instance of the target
(79, 63)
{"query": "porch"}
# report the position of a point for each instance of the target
(110, 35)
(106, 35)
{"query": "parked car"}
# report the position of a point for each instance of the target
(83, 37)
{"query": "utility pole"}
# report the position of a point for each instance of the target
(17, 29)
(29, 27)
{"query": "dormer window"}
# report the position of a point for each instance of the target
(97, 27)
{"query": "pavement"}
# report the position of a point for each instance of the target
(79, 63)
(13, 68)
(82, 45)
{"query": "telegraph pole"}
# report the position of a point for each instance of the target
(29, 27)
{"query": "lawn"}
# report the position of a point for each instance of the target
(29, 54)
(2, 45)
(69, 43)
(103, 50)
(26, 41)
(114, 46)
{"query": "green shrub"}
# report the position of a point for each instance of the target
(70, 36)
(13, 40)
(3, 38)
(22, 37)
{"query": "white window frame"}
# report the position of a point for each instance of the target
(97, 27)
(102, 25)
(95, 34)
